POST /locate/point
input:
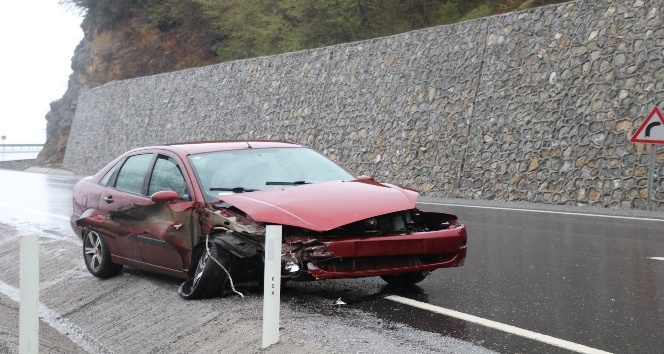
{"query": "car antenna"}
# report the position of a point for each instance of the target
(249, 145)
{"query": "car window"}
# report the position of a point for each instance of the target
(167, 175)
(132, 174)
(225, 172)
(107, 177)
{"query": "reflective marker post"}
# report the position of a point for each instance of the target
(651, 173)
(28, 331)
(271, 285)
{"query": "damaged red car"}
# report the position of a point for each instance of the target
(198, 211)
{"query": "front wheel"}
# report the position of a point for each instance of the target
(405, 279)
(209, 279)
(97, 256)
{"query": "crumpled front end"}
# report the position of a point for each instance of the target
(402, 242)
(399, 242)
(348, 229)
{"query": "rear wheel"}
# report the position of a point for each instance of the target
(405, 279)
(97, 256)
(208, 279)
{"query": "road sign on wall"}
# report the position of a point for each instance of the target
(651, 130)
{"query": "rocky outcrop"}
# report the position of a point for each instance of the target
(135, 45)
(58, 124)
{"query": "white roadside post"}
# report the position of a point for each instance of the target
(29, 293)
(271, 285)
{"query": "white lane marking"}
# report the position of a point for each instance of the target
(57, 322)
(656, 258)
(561, 343)
(545, 211)
(34, 211)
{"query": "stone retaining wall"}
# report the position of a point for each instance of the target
(532, 106)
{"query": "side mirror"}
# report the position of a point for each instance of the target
(165, 196)
(364, 178)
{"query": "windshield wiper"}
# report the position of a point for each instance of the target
(234, 189)
(294, 183)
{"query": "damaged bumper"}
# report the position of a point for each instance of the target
(383, 255)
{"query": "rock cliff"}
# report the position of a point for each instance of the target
(136, 44)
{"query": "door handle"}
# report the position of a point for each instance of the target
(109, 199)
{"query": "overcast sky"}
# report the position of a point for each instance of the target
(38, 40)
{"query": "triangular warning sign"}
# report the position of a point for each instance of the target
(651, 130)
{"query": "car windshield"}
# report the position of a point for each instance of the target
(236, 171)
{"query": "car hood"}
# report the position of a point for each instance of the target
(323, 206)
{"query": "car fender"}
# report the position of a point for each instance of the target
(236, 244)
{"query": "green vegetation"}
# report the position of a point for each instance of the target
(250, 28)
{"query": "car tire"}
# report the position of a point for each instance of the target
(97, 256)
(405, 279)
(208, 279)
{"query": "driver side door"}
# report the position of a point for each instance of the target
(121, 202)
(170, 226)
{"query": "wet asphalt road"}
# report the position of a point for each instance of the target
(588, 279)
(593, 280)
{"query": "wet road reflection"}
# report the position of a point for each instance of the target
(579, 278)
(358, 295)
(36, 202)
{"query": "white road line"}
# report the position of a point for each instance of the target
(575, 347)
(57, 322)
(545, 211)
(34, 211)
(656, 258)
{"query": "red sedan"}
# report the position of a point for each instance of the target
(198, 211)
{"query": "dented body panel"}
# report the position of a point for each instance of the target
(332, 229)
(159, 236)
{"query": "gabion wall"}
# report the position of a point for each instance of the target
(532, 106)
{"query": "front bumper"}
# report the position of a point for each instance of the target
(384, 255)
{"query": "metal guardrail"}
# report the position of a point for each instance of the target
(21, 147)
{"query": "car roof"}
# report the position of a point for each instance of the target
(189, 148)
